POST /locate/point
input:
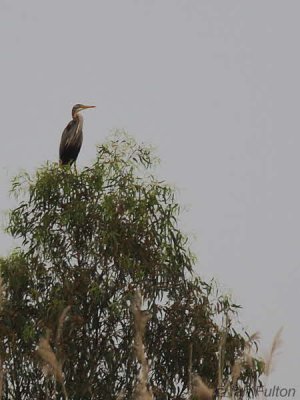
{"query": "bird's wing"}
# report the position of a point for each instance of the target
(66, 137)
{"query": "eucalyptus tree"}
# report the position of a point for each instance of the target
(88, 241)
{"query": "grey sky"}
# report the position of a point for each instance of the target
(215, 87)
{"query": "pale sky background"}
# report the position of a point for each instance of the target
(214, 86)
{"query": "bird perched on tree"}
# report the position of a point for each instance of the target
(71, 138)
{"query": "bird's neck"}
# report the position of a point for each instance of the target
(79, 118)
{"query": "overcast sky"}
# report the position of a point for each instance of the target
(214, 86)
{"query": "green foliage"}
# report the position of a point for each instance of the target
(89, 240)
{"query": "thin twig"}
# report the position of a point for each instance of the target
(190, 367)
(222, 351)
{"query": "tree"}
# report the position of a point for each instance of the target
(89, 241)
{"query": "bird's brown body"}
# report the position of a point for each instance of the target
(72, 136)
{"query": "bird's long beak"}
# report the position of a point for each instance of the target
(84, 107)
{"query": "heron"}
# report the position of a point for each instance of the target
(71, 138)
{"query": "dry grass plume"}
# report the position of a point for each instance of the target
(269, 359)
(142, 392)
(199, 390)
(52, 362)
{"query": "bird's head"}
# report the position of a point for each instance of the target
(79, 107)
